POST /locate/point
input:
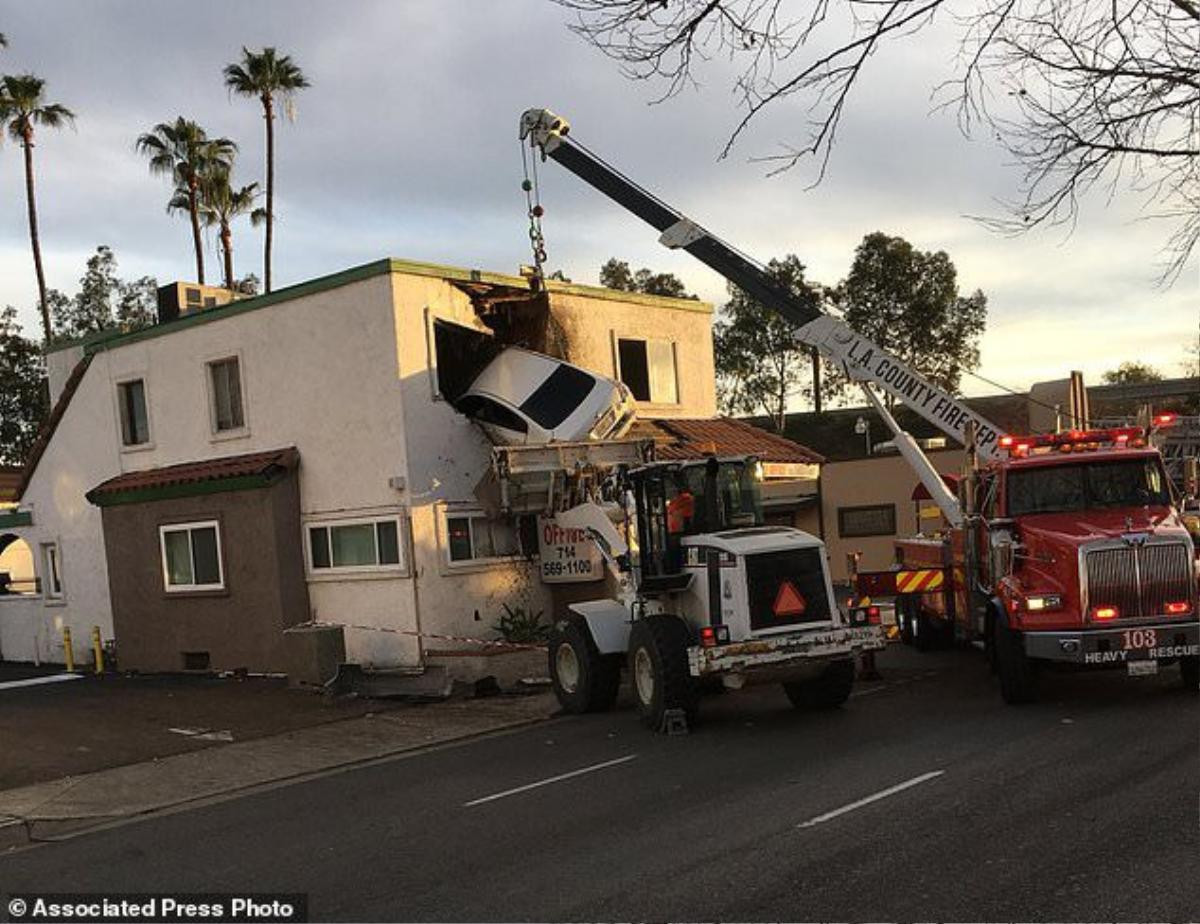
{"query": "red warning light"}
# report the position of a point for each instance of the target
(789, 601)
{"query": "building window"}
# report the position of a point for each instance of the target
(135, 424)
(875, 520)
(225, 378)
(191, 557)
(52, 582)
(355, 545)
(648, 368)
(471, 536)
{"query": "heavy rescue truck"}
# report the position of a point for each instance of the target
(1060, 548)
(1073, 552)
(704, 593)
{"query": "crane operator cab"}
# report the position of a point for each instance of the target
(675, 500)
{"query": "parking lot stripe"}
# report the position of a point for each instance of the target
(874, 797)
(549, 780)
(38, 681)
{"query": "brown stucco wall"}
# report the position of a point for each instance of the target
(884, 479)
(241, 626)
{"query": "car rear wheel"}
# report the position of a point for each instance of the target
(1018, 672)
(583, 679)
(829, 689)
(658, 666)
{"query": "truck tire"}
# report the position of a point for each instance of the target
(904, 618)
(1018, 672)
(583, 679)
(1189, 670)
(658, 667)
(925, 636)
(831, 688)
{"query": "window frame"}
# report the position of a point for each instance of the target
(53, 572)
(342, 572)
(454, 511)
(653, 400)
(119, 398)
(215, 435)
(188, 527)
(860, 508)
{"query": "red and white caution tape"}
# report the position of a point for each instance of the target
(490, 643)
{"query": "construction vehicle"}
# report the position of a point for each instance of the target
(1102, 581)
(704, 593)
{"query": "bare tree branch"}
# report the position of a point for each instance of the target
(1083, 94)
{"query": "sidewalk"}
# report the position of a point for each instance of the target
(50, 809)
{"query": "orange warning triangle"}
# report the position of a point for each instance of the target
(789, 601)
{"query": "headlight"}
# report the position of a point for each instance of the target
(1043, 602)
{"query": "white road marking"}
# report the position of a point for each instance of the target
(549, 780)
(38, 681)
(875, 797)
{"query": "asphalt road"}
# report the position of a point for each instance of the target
(1082, 807)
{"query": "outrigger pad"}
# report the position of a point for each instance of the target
(674, 722)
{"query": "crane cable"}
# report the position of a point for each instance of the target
(533, 204)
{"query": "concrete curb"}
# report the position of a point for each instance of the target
(74, 805)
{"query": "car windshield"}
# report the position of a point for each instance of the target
(559, 396)
(1083, 486)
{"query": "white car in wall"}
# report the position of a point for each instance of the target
(526, 397)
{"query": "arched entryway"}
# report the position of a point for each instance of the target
(17, 574)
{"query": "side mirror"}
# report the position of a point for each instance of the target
(1002, 550)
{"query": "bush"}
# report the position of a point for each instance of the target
(522, 627)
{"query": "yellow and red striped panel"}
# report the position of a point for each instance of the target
(919, 582)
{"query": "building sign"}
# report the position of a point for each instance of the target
(568, 556)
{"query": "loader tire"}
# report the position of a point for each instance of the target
(828, 690)
(658, 668)
(1018, 672)
(583, 679)
(1189, 670)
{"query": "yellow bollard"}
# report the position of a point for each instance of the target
(97, 650)
(70, 655)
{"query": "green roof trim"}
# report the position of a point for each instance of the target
(106, 340)
(175, 491)
(10, 519)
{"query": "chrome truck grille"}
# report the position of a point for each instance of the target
(1138, 579)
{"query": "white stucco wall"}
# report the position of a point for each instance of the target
(82, 454)
(447, 457)
(593, 324)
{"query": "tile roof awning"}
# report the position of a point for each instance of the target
(720, 436)
(188, 479)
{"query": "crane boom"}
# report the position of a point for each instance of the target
(863, 361)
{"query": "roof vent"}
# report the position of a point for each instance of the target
(180, 299)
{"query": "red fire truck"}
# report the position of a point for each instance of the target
(1072, 550)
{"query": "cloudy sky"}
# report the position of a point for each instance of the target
(406, 146)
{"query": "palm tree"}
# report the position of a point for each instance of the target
(220, 204)
(22, 106)
(266, 76)
(183, 151)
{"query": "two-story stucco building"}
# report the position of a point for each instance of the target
(207, 482)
